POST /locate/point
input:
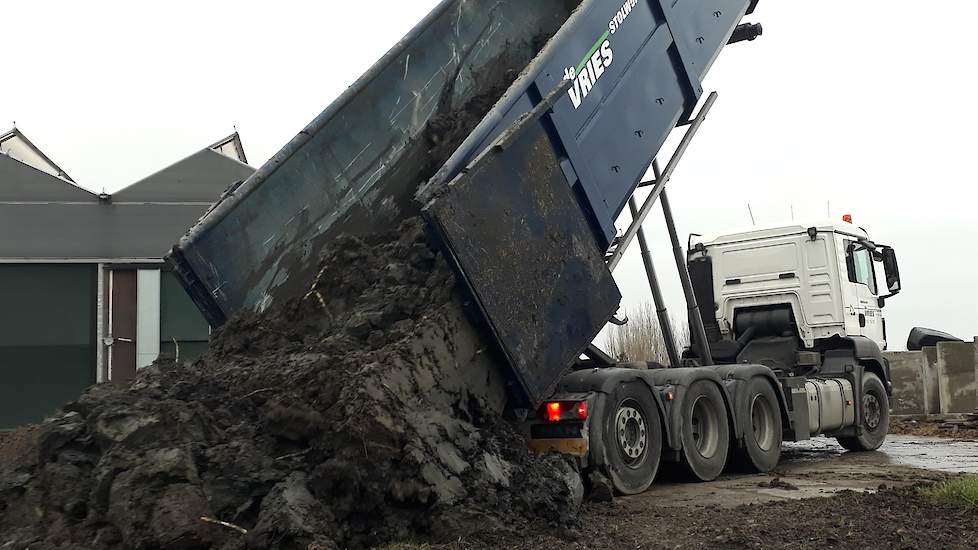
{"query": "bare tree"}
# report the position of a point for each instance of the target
(641, 338)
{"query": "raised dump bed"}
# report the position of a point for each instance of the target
(356, 167)
(592, 90)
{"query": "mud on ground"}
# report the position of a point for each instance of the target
(931, 428)
(890, 518)
(366, 411)
(820, 496)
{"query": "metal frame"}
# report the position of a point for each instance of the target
(695, 317)
(659, 183)
(665, 324)
(635, 230)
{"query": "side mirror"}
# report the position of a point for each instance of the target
(892, 270)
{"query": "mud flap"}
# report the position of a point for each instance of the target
(526, 252)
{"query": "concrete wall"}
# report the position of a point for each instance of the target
(932, 394)
(957, 377)
(908, 373)
(936, 380)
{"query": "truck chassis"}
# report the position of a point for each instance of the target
(625, 419)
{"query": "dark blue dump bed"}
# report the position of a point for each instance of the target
(587, 112)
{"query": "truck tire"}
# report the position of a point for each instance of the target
(762, 430)
(706, 433)
(876, 417)
(632, 438)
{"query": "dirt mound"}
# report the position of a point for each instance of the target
(778, 483)
(365, 412)
(16, 447)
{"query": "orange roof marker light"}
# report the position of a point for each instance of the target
(847, 218)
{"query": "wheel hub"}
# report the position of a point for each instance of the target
(761, 422)
(705, 427)
(871, 411)
(632, 433)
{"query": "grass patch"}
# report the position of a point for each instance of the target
(962, 491)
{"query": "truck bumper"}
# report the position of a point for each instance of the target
(577, 447)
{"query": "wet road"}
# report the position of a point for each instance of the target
(928, 453)
(821, 467)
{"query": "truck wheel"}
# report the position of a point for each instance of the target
(706, 436)
(632, 437)
(762, 436)
(876, 417)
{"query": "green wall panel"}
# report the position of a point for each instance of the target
(180, 320)
(179, 317)
(47, 338)
(38, 380)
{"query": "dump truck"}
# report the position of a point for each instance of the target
(520, 132)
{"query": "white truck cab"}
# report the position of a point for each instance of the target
(823, 283)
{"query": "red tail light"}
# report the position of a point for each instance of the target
(553, 411)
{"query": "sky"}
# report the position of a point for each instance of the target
(858, 108)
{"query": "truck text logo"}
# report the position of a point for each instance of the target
(592, 66)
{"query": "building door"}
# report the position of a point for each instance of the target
(122, 325)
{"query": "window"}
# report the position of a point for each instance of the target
(860, 263)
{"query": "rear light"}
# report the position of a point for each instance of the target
(553, 411)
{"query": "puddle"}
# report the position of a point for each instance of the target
(929, 453)
(933, 453)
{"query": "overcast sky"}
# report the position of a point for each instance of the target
(864, 105)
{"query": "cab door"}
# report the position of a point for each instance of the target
(864, 317)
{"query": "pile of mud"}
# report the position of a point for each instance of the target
(365, 412)
(16, 445)
(957, 429)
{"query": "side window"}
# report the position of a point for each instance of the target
(860, 263)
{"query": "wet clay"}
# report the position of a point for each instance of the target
(366, 411)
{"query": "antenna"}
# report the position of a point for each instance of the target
(792, 212)
(828, 209)
(751, 212)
